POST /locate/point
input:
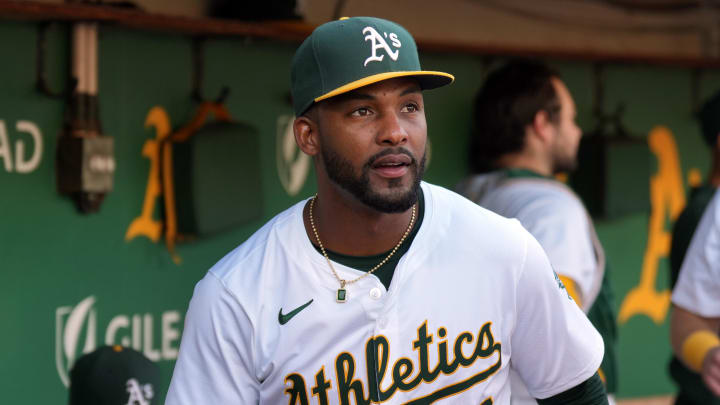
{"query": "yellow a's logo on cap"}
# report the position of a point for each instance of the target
(378, 42)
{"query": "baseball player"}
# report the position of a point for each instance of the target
(380, 288)
(691, 389)
(525, 132)
(695, 320)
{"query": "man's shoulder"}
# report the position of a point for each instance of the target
(244, 274)
(463, 216)
(277, 233)
(498, 185)
(527, 197)
(453, 202)
(545, 189)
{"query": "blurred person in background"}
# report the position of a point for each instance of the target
(524, 133)
(687, 317)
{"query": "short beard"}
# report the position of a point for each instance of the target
(561, 165)
(562, 162)
(340, 172)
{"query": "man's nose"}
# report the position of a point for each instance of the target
(391, 131)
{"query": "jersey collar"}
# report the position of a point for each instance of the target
(518, 172)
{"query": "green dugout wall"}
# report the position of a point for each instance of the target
(69, 281)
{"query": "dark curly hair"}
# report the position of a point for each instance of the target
(506, 103)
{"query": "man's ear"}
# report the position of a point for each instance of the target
(306, 135)
(542, 126)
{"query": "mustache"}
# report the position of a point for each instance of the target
(391, 151)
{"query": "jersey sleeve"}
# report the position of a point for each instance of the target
(215, 363)
(561, 226)
(698, 286)
(554, 345)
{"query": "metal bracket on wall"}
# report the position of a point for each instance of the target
(604, 119)
(41, 80)
(85, 162)
(198, 48)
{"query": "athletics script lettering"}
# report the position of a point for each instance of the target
(405, 374)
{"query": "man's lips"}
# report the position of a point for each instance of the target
(394, 159)
(392, 166)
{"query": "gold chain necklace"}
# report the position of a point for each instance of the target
(341, 292)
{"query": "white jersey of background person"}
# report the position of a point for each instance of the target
(698, 286)
(557, 219)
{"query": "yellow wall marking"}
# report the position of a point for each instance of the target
(667, 198)
(144, 224)
(694, 177)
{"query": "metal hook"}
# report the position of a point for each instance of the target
(198, 73)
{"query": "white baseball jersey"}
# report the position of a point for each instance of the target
(473, 297)
(698, 286)
(555, 216)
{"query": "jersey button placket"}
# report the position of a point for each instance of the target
(372, 296)
(379, 294)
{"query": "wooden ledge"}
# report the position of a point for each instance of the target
(296, 31)
(132, 18)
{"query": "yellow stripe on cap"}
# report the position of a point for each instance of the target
(378, 78)
(696, 347)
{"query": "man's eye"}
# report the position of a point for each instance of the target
(361, 112)
(410, 108)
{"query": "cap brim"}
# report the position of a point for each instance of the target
(427, 79)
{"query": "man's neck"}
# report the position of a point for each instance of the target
(523, 161)
(346, 225)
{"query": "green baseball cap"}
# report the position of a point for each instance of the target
(114, 375)
(343, 55)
